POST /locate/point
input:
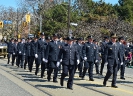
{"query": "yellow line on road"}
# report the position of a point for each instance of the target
(124, 90)
(119, 89)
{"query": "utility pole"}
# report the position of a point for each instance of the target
(17, 24)
(40, 17)
(68, 25)
(40, 23)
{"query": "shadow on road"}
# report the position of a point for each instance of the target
(124, 82)
(49, 86)
(35, 80)
(90, 85)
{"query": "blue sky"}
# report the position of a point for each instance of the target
(7, 3)
(13, 3)
(109, 1)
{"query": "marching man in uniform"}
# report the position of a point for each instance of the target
(121, 65)
(21, 52)
(15, 52)
(39, 46)
(52, 52)
(10, 46)
(90, 56)
(70, 57)
(111, 59)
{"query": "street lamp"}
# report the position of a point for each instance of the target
(17, 22)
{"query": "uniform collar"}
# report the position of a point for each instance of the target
(42, 39)
(79, 44)
(70, 44)
(90, 42)
(106, 42)
(113, 43)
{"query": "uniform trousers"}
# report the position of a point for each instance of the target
(38, 62)
(27, 60)
(9, 56)
(31, 63)
(97, 67)
(88, 65)
(13, 59)
(52, 67)
(122, 69)
(80, 68)
(70, 69)
(20, 60)
(102, 64)
(43, 68)
(112, 68)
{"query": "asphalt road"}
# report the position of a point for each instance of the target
(19, 82)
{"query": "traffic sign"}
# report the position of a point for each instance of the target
(7, 21)
(1, 24)
(27, 16)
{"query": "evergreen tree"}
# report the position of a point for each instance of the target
(125, 10)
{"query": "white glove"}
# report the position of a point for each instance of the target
(121, 63)
(19, 52)
(57, 64)
(78, 62)
(125, 58)
(85, 58)
(46, 60)
(36, 56)
(60, 60)
(13, 53)
(24, 53)
(106, 63)
(43, 59)
(96, 61)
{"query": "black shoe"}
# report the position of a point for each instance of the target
(42, 76)
(70, 88)
(91, 79)
(35, 73)
(8, 62)
(101, 74)
(24, 67)
(61, 82)
(122, 78)
(55, 81)
(82, 77)
(104, 83)
(12, 64)
(49, 78)
(114, 86)
(21, 66)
